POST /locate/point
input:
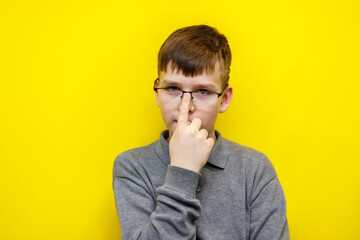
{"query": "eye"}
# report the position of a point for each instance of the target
(203, 92)
(173, 89)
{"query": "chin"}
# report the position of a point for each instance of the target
(172, 126)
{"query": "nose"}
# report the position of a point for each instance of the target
(191, 105)
(186, 92)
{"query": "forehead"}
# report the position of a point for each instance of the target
(210, 79)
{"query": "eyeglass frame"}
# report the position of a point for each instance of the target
(219, 94)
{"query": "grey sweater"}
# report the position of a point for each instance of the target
(237, 195)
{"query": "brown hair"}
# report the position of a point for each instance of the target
(195, 49)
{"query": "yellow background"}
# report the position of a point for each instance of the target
(76, 90)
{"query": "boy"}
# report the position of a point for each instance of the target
(192, 183)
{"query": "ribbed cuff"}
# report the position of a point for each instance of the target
(182, 180)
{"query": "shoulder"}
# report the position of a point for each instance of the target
(253, 166)
(254, 161)
(136, 152)
(132, 160)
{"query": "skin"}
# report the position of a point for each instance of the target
(191, 127)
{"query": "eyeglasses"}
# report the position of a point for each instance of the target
(200, 95)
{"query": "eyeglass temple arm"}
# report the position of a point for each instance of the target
(219, 94)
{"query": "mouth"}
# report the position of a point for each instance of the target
(175, 121)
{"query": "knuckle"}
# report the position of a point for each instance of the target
(180, 134)
(203, 132)
(198, 120)
(193, 132)
(190, 131)
(210, 142)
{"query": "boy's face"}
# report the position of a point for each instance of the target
(207, 111)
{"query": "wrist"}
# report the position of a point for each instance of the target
(190, 167)
(182, 180)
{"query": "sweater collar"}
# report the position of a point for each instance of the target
(217, 157)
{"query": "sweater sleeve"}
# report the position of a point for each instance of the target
(170, 215)
(267, 205)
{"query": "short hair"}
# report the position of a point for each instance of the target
(195, 49)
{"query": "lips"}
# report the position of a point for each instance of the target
(189, 122)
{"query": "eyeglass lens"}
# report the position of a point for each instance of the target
(197, 97)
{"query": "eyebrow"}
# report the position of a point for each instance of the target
(210, 85)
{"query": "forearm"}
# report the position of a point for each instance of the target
(173, 214)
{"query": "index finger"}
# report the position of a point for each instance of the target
(184, 110)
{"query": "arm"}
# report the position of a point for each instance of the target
(268, 205)
(170, 216)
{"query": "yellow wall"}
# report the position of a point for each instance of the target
(76, 90)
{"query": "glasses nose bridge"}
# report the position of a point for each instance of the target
(182, 94)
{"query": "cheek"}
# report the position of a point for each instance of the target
(166, 107)
(207, 116)
(168, 112)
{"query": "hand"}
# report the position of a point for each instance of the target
(189, 146)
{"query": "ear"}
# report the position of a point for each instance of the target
(156, 94)
(226, 99)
